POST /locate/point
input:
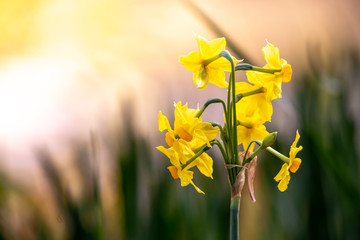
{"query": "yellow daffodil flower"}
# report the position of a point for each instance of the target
(187, 127)
(251, 123)
(257, 100)
(294, 163)
(271, 82)
(184, 175)
(206, 65)
(179, 154)
(189, 134)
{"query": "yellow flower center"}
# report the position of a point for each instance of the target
(180, 133)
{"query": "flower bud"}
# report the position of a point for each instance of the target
(270, 139)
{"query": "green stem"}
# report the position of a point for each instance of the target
(279, 155)
(265, 70)
(233, 125)
(234, 218)
(227, 149)
(210, 60)
(246, 94)
(235, 142)
(243, 66)
(246, 152)
(215, 124)
(254, 154)
(229, 119)
(274, 152)
(249, 67)
(201, 151)
(209, 102)
(269, 149)
(222, 150)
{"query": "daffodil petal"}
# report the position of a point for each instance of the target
(171, 154)
(222, 64)
(209, 49)
(192, 61)
(242, 87)
(209, 131)
(297, 137)
(282, 173)
(283, 184)
(217, 77)
(163, 122)
(205, 165)
(255, 78)
(197, 189)
(272, 55)
(185, 177)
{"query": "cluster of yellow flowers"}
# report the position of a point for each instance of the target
(244, 122)
(189, 135)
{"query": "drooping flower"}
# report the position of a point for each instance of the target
(206, 65)
(271, 82)
(283, 177)
(251, 121)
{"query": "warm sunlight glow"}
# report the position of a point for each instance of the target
(29, 97)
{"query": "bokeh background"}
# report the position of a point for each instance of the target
(82, 82)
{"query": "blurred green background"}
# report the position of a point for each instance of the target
(81, 84)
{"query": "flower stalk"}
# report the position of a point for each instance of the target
(208, 103)
(234, 218)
